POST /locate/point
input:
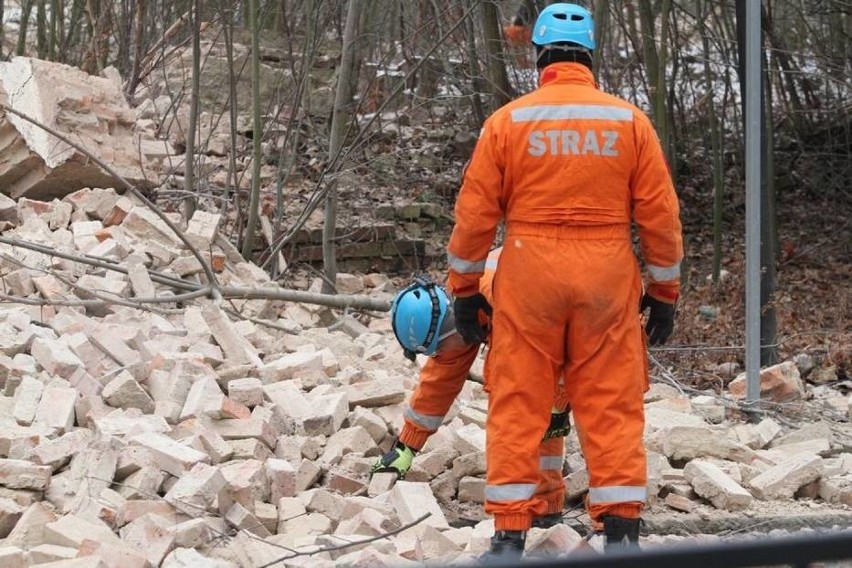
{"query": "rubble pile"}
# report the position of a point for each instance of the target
(89, 111)
(197, 433)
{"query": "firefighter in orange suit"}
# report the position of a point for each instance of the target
(567, 168)
(422, 307)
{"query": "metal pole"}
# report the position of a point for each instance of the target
(752, 182)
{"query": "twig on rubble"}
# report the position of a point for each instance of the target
(340, 301)
(208, 270)
(353, 543)
(97, 262)
(669, 378)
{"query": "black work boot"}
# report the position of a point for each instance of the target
(620, 534)
(547, 521)
(506, 546)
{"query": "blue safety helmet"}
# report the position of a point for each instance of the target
(559, 23)
(416, 316)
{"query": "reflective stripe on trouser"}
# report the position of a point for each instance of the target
(566, 290)
(551, 485)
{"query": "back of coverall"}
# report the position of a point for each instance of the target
(441, 381)
(567, 167)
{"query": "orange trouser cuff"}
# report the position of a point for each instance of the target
(413, 437)
(630, 510)
(512, 522)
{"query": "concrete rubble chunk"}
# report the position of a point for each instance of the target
(689, 442)
(88, 109)
(191, 558)
(778, 383)
(29, 530)
(714, 485)
(57, 452)
(783, 480)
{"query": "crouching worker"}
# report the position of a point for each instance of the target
(423, 323)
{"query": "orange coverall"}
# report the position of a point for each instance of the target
(567, 167)
(441, 380)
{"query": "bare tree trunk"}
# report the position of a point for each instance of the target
(339, 119)
(716, 153)
(501, 90)
(190, 202)
(26, 10)
(138, 41)
(41, 30)
(655, 66)
(602, 23)
(257, 132)
(2, 29)
(475, 73)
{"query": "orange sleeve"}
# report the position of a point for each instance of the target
(657, 213)
(478, 212)
(441, 381)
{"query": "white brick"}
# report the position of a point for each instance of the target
(72, 530)
(12, 557)
(247, 391)
(243, 519)
(411, 500)
(124, 392)
(20, 474)
(206, 398)
(286, 366)
(237, 350)
(783, 480)
(129, 422)
(197, 490)
(56, 453)
(469, 438)
(54, 357)
(378, 392)
(56, 408)
(10, 513)
(45, 553)
(173, 457)
(246, 482)
(27, 396)
(150, 536)
(202, 229)
(282, 479)
(472, 489)
(713, 484)
(140, 280)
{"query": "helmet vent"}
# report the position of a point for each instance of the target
(577, 17)
(560, 16)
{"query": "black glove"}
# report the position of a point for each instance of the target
(660, 320)
(559, 425)
(467, 318)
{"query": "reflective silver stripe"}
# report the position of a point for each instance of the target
(511, 492)
(565, 112)
(430, 423)
(617, 494)
(465, 266)
(663, 273)
(490, 263)
(550, 463)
